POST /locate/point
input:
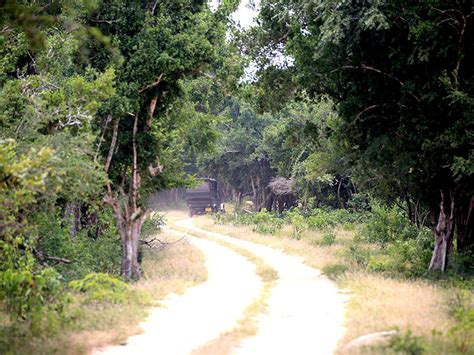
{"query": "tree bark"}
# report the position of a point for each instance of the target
(464, 221)
(128, 215)
(73, 212)
(443, 232)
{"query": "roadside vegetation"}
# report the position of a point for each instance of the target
(381, 259)
(98, 309)
(353, 139)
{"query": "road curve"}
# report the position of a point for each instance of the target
(189, 321)
(305, 310)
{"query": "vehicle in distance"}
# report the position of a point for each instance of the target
(204, 198)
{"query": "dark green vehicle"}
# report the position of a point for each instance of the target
(204, 198)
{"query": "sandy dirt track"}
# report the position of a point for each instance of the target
(187, 321)
(305, 310)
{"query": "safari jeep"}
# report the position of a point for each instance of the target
(204, 198)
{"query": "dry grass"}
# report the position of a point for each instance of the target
(377, 302)
(246, 326)
(306, 247)
(166, 271)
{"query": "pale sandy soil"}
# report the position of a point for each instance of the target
(305, 311)
(190, 320)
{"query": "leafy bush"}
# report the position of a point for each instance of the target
(87, 254)
(263, 222)
(359, 254)
(388, 224)
(323, 217)
(26, 293)
(359, 202)
(406, 343)
(297, 222)
(103, 287)
(328, 239)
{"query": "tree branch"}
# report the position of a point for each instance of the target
(152, 85)
(112, 145)
(378, 71)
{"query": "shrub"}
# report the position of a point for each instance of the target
(87, 254)
(103, 287)
(406, 343)
(359, 202)
(358, 254)
(297, 222)
(324, 217)
(380, 263)
(388, 224)
(263, 222)
(328, 239)
(26, 293)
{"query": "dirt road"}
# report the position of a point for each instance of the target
(305, 310)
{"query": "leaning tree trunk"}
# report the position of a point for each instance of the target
(443, 232)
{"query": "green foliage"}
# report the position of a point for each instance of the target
(398, 246)
(153, 224)
(262, 222)
(359, 253)
(320, 218)
(328, 239)
(23, 181)
(266, 222)
(407, 343)
(87, 253)
(400, 77)
(99, 287)
(297, 222)
(462, 308)
(389, 224)
(26, 293)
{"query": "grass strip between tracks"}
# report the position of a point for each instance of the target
(247, 326)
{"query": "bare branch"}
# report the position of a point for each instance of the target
(112, 144)
(365, 110)
(59, 260)
(163, 244)
(152, 85)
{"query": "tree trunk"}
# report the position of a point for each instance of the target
(254, 193)
(136, 271)
(238, 200)
(464, 220)
(128, 215)
(73, 212)
(443, 232)
(127, 252)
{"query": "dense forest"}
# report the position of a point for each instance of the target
(365, 107)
